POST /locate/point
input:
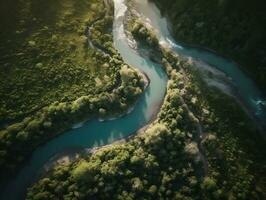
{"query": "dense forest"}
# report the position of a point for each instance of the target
(234, 28)
(58, 67)
(171, 159)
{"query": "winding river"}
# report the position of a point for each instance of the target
(229, 77)
(95, 133)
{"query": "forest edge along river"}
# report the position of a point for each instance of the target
(228, 75)
(96, 133)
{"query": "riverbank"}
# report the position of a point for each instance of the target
(140, 31)
(146, 81)
(71, 155)
(194, 31)
(238, 89)
(243, 135)
(100, 132)
(167, 154)
(108, 97)
(228, 88)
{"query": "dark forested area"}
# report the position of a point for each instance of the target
(54, 72)
(234, 28)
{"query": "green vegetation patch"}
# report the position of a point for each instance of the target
(67, 72)
(45, 57)
(164, 162)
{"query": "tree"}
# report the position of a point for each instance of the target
(84, 171)
(34, 125)
(126, 73)
(192, 149)
(209, 184)
(137, 184)
(102, 112)
(153, 189)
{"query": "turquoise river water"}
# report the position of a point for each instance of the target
(95, 133)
